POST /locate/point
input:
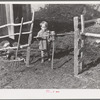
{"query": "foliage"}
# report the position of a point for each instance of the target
(65, 12)
(60, 16)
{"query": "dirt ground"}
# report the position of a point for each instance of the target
(41, 76)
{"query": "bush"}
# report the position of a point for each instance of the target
(60, 16)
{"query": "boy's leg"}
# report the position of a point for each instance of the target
(42, 56)
(48, 51)
(48, 54)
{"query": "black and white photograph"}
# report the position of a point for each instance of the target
(49, 46)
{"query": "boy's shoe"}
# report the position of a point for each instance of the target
(42, 61)
(49, 59)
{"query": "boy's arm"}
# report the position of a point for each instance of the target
(38, 36)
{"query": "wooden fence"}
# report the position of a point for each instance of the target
(79, 41)
(20, 33)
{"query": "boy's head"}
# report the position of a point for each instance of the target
(44, 25)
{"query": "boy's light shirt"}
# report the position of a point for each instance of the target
(45, 37)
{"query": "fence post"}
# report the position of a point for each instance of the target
(29, 42)
(76, 49)
(82, 43)
(53, 49)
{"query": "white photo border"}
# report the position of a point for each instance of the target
(42, 93)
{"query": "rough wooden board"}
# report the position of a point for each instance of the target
(76, 38)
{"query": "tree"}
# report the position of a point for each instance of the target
(65, 12)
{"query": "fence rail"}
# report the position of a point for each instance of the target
(92, 35)
(89, 21)
(14, 34)
(9, 48)
(13, 24)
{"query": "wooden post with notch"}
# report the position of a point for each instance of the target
(76, 48)
(53, 48)
(29, 42)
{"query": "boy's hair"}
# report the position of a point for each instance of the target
(45, 23)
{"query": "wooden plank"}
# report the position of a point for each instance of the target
(19, 37)
(21, 46)
(89, 21)
(53, 46)
(64, 34)
(13, 24)
(82, 24)
(14, 34)
(29, 42)
(82, 42)
(76, 38)
(9, 15)
(92, 35)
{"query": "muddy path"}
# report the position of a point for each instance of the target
(40, 76)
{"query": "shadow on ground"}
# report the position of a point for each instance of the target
(90, 65)
(63, 52)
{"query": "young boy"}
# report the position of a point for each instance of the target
(44, 40)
